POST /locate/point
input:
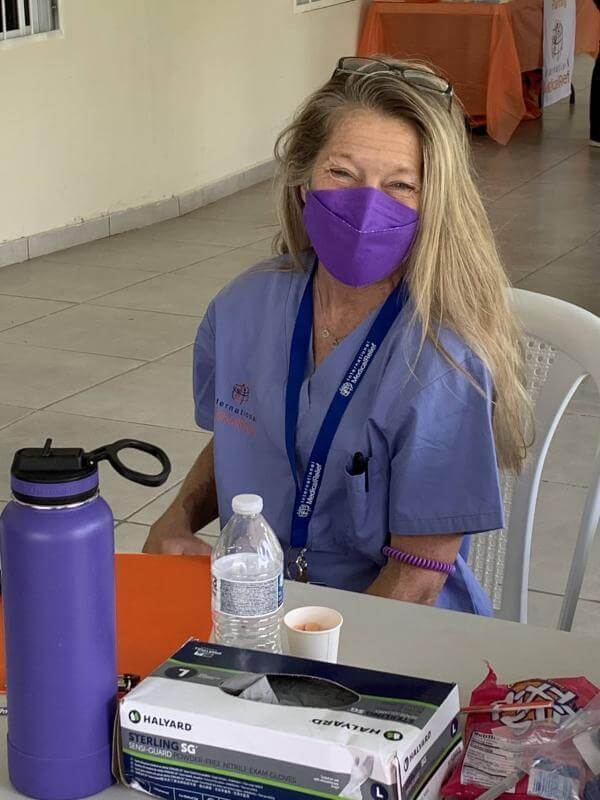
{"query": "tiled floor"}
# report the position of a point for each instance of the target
(95, 341)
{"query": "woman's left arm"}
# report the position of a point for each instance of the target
(400, 581)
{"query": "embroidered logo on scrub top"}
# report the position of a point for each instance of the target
(234, 415)
(241, 393)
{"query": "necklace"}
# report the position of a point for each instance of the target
(326, 332)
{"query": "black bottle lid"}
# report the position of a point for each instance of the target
(49, 464)
(55, 475)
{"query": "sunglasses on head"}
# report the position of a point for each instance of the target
(417, 78)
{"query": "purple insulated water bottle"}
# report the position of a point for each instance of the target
(58, 595)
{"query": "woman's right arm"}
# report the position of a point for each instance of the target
(193, 508)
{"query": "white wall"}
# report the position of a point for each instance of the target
(137, 100)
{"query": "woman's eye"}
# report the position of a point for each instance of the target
(404, 188)
(340, 173)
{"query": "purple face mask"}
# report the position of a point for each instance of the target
(360, 235)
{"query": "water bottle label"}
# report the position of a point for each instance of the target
(238, 599)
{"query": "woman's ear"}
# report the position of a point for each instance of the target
(303, 190)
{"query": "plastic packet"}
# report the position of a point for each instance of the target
(560, 776)
(557, 757)
(553, 767)
(488, 762)
(530, 735)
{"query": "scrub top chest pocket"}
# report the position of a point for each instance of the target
(367, 493)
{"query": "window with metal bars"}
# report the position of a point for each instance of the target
(27, 17)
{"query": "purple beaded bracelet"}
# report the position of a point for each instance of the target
(419, 561)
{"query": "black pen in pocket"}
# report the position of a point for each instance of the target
(360, 466)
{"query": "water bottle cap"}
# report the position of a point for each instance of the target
(247, 504)
(51, 476)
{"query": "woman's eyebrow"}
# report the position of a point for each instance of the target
(347, 156)
(405, 171)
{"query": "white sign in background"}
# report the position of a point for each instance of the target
(559, 49)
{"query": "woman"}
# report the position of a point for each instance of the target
(368, 380)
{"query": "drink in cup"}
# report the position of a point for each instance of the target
(313, 632)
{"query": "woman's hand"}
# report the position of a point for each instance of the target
(193, 508)
(172, 537)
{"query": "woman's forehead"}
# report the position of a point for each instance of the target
(368, 138)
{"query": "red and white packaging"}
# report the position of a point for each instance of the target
(486, 762)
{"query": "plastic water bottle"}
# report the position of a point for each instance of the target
(247, 580)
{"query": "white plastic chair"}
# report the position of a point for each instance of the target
(563, 347)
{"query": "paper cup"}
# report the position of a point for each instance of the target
(322, 644)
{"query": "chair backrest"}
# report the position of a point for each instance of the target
(562, 346)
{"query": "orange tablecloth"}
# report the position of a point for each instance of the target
(483, 48)
(161, 602)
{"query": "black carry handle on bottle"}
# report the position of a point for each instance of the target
(110, 453)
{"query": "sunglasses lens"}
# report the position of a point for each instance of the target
(364, 65)
(426, 80)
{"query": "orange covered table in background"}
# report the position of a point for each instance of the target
(483, 48)
(161, 602)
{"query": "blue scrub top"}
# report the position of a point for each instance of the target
(426, 430)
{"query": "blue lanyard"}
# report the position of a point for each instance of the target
(307, 491)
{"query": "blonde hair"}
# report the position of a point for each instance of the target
(454, 273)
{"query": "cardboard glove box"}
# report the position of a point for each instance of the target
(219, 723)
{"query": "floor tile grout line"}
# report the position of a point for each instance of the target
(37, 319)
(121, 421)
(114, 291)
(241, 247)
(152, 276)
(70, 304)
(172, 353)
(131, 522)
(33, 319)
(141, 508)
(49, 408)
(557, 594)
(146, 310)
(514, 284)
(86, 299)
(155, 273)
(18, 419)
(76, 303)
(63, 263)
(561, 483)
(537, 175)
(212, 244)
(95, 385)
(510, 191)
(40, 299)
(78, 352)
(254, 226)
(143, 361)
(564, 483)
(553, 260)
(105, 355)
(197, 317)
(123, 308)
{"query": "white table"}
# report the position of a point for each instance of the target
(427, 642)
